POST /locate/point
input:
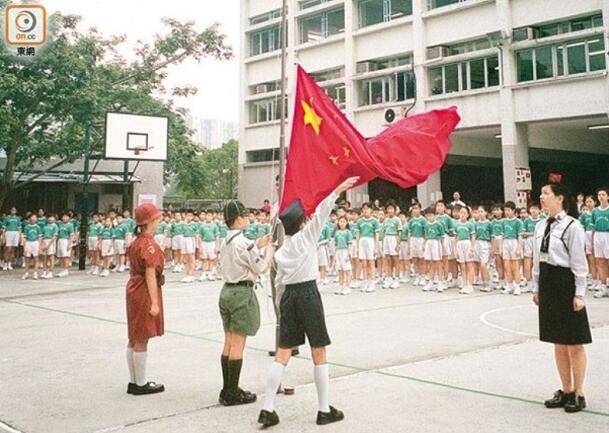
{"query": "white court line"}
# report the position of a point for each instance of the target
(484, 320)
(7, 428)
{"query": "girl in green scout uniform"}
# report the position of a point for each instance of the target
(449, 257)
(484, 233)
(342, 239)
(93, 245)
(391, 229)
(49, 246)
(177, 230)
(31, 246)
(512, 248)
(241, 264)
(465, 232)
(189, 231)
(416, 244)
(64, 244)
(434, 231)
(357, 275)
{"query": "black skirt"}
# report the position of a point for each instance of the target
(558, 322)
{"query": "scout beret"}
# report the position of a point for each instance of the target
(234, 209)
(292, 216)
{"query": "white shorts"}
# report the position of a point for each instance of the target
(167, 242)
(527, 247)
(51, 247)
(12, 239)
(482, 251)
(119, 246)
(496, 242)
(176, 242)
(601, 245)
(510, 250)
(465, 252)
(343, 260)
(30, 249)
(63, 248)
(160, 240)
(208, 250)
(128, 240)
(353, 250)
(448, 248)
(366, 248)
(416, 248)
(188, 245)
(588, 242)
(433, 250)
(322, 256)
(107, 247)
(93, 243)
(390, 245)
(331, 249)
(404, 251)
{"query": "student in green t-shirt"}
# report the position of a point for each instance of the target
(50, 231)
(209, 233)
(434, 232)
(107, 246)
(251, 231)
(404, 255)
(465, 232)
(342, 238)
(12, 238)
(31, 239)
(484, 234)
(177, 234)
(367, 237)
(416, 243)
(120, 232)
(444, 216)
(65, 237)
(586, 221)
(529, 225)
(391, 229)
(189, 237)
(94, 230)
(512, 248)
(497, 243)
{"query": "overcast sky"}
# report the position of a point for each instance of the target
(218, 82)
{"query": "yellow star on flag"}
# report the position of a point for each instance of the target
(310, 116)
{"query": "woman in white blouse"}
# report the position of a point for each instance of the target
(559, 285)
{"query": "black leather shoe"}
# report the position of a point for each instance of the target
(334, 415)
(295, 352)
(239, 398)
(575, 403)
(272, 353)
(149, 388)
(559, 400)
(268, 419)
(130, 387)
(222, 398)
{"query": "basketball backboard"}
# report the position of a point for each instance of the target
(136, 137)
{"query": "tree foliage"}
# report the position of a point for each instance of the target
(213, 174)
(46, 102)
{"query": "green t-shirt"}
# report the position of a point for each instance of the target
(405, 232)
(263, 229)
(107, 233)
(223, 228)
(586, 220)
(65, 230)
(209, 232)
(49, 231)
(512, 228)
(32, 232)
(448, 223)
(391, 226)
(484, 230)
(129, 225)
(497, 227)
(189, 230)
(177, 228)
(600, 219)
(161, 229)
(95, 229)
(42, 222)
(434, 231)
(342, 238)
(251, 231)
(530, 224)
(416, 226)
(120, 231)
(12, 223)
(464, 231)
(367, 227)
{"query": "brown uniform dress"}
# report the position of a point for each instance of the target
(144, 252)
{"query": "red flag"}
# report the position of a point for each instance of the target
(326, 149)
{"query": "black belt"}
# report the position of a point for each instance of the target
(240, 283)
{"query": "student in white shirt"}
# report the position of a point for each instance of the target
(301, 307)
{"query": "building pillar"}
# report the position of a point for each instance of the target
(431, 190)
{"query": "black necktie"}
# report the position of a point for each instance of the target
(545, 243)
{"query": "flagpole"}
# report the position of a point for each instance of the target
(283, 38)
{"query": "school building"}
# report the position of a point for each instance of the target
(529, 78)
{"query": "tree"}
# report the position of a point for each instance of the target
(212, 175)
(47, 102)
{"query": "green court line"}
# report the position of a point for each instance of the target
(335, 364)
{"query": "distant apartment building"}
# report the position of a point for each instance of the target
(212, 133)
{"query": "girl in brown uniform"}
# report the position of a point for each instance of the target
(144, 298)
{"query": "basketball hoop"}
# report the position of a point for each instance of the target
(136, 137)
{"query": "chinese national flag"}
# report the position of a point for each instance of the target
(326, 149)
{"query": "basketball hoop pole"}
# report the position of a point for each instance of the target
(126, 186)
(84, 221)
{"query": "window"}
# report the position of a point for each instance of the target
(262, 155)
(328, 75)
(305, 4)
(265, 17)
(379, 11)
(432, 4)
(322, 25)
(265, 41)
(399, 86)
(338, 93)
(265, 110)
(269, 86)
(559, 28)
(468, 75)
(573, 57)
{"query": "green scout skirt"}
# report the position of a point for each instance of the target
(239, 309)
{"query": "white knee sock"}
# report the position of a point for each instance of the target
(139, 363)
(322, 383)
(130, 364)
(272, 384)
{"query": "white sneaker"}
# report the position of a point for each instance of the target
(404, 280)
(35, 276)
(486, 289)
(441, 287)
(49, 275)
(395, 284)
(428, 287)
(95, 272)
(346, 291)
(507, 291)
(187, 279)
(602, 293)
(104, 273)
(422, 281)
(517, 291)
(354, 285)
(202, 277)
(338, 291)
(370, 287)
(10, 267)
(386, 283)
(25, 276)
(466, 290)
(5, 267)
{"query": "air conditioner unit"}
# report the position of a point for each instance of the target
(262, 88)
(437, 52)
(394, 114)
(364, 67)
(525, 34)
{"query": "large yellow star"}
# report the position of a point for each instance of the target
(310, 116)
